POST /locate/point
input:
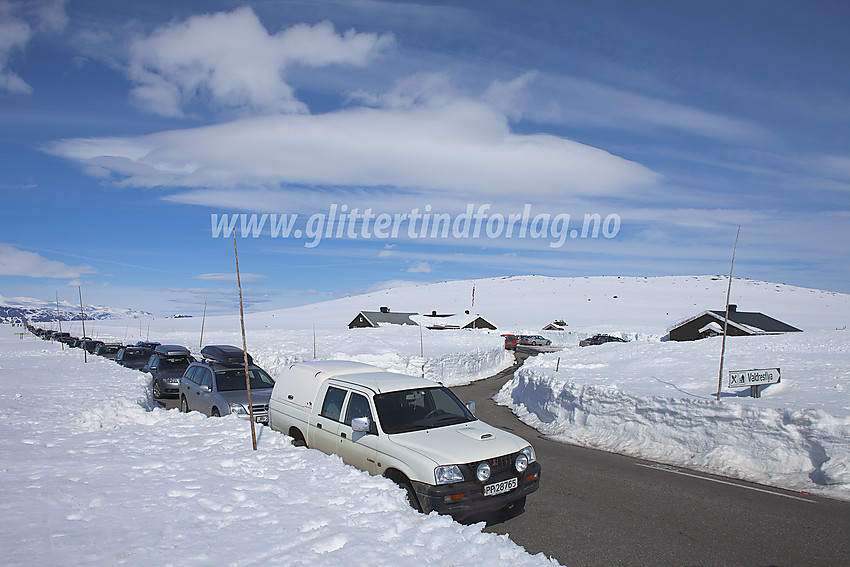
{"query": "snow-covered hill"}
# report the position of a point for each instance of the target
(645, 306)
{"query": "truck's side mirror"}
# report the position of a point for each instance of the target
(361, 425)
(471, 407)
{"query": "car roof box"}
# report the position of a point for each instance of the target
(225, 354)
(172, 350)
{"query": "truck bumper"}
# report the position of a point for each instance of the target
(463, 499)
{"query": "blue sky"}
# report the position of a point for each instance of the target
(125, 126)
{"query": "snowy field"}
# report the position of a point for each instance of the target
(94, 474)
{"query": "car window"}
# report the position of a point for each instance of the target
(358, 406)
(190, 373)
(332, 406)
(173, 363)
(233, 379)
(206, 378)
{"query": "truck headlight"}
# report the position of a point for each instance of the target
(237, 409)
(525, 457)
(448, 474)
(521, 462)
(483, 472)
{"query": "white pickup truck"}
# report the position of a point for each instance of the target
(411, 430)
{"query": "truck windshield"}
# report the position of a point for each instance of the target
(414, 410)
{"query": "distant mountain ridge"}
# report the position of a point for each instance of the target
(18, 309)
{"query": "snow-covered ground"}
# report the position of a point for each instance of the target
(93, 474)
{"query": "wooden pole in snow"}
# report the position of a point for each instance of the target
(59, 316)
(83, 319)
(244, 346)
(422, 349)
(203, 321)
(726, 319)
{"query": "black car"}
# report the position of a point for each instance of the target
(599, 339)
(109, 351)
(62, 337)
(133, 357)
(91, 345)
(166, 365)
(147, 344)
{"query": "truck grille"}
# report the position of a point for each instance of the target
(502, 464)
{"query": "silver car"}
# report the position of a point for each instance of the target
(533, 340)
(216, 385)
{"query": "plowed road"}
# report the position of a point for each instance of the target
(596, 508)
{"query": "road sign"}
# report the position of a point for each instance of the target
(758, 377)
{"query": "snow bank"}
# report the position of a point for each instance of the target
(94, 474)
(657, 401)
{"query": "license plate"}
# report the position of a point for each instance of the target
(263, 419)
(500, 487)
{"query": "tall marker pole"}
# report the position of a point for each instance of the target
(203, 321)
(59, 316)
(244, 346)
(726, 319)
(83, 319)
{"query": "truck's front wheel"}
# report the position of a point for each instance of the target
(403, 482)
(412, 499)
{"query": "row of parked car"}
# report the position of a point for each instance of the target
(214, 384)
(512, 341)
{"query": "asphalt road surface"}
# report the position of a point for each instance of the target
(597, 508)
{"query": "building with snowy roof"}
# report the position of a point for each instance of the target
(382, 317)
(741, 323)
(440, 322)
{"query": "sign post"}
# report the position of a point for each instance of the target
(755, 379)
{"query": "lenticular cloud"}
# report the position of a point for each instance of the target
(463, 146)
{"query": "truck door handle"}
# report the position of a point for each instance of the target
(343, 435)
(318, 425)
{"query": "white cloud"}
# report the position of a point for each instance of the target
(231, 60)
(14, 36)
(570, 100)
(387, 252)
(420, 268)
(19, 23)
(458, 145)
(230, 277)
(16, 262)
